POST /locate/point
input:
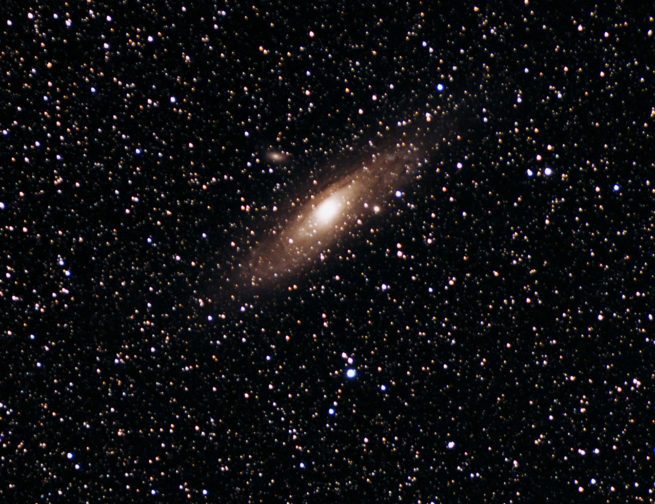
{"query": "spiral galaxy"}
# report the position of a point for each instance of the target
(357, 194)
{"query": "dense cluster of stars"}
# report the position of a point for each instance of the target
(335, 252)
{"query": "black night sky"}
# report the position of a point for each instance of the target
(485, 335)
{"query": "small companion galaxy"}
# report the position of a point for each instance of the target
(330, 252)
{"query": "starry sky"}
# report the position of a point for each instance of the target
(485, 335)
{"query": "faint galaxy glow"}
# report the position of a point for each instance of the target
(275, 156)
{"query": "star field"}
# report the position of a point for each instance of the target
(481, 330)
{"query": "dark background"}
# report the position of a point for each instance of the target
(514, 341)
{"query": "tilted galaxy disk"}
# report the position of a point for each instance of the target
(360, 191)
